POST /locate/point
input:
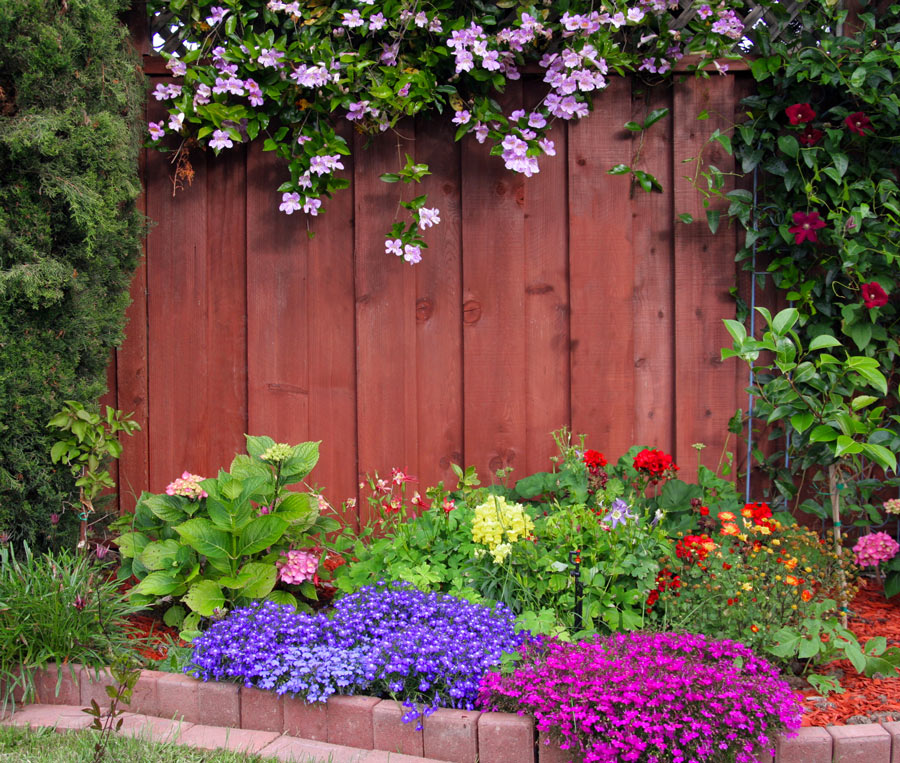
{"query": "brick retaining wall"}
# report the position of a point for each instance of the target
(457, 736)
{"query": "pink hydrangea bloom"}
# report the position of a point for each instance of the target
(298, 566)
(872, 549)
(188, 486)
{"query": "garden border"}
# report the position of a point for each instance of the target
(369, 723)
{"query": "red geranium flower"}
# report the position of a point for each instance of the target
(858, 122)
(874, 295)
(654, 463)
(805, 227)
(810, 136)
(800, 113)
(594, 460)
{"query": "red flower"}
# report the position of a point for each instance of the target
(594, 460)
(800, 113)
(874, 295)
(858, 122)
(805, 227)
(810, 136)
(655, 464)
(704, 511)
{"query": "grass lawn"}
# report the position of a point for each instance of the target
(21, 745)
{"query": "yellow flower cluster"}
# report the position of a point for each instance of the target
(498, 524)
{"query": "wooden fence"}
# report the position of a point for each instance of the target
(567, 299)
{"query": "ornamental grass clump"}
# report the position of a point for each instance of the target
(423, 648)
(652, 698)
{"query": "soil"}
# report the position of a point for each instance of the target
(865, 700)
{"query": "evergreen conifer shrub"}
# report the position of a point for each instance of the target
(71, 95)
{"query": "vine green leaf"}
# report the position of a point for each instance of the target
(802, 421)
(822, 341)
(823, 433)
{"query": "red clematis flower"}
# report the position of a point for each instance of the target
(874, 295)
(800, 113)
(805, 227)
(810, 136)
(858, 122)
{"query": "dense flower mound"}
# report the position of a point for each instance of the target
(653, 698)
(383, 639)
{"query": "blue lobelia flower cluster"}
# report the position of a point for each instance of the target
(387, 639)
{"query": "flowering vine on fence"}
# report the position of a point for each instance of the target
(289, 73)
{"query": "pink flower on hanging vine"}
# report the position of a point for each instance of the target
(800, 113)
(805, 227)
(858, 122)
(873, 295)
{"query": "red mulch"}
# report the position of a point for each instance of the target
(865, 700)
(153, 636)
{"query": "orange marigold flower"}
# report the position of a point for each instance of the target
(730, 529)
(791, 580)
(806, 595)
(726, 516)
(754, 628)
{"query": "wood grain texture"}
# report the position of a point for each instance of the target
(277, 330)
(601, 271)
(705, 387)
(653, 216)
(331, 316)
(386, 388)
(494, 345)
(177, 288)
(439, 370)
(546, 246)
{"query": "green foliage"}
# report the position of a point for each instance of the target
(70, 101)
(56, 608)
(126, 673)
(822, 228)
(216, 547)
(91, 441)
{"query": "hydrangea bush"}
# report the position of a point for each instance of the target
(655, 698)
(389, 639)
(291, 72)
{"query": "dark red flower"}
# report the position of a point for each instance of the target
(594, 459)
(800, 113)
(805, 227)
(874, 295)
(810, 136)
(704, 511)
(858, 122)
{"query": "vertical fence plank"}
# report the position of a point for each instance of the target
(654, 300)
(131, 373)
(602, 274)
(546, 300)
(330, 314)
(277, 340)
(439, 373)
(177, 303)
(226, 330)
(705, 387)
(385, 316)
(493, 308)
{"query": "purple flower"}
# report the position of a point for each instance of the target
(461, 117)
(220, 140)
(156, 130)
(311, 206)
(618, 513)
(290, 203)
(352, 20)
(412, 254)
(393, 246)
(376, 22)
(216, 14)
(428, 217)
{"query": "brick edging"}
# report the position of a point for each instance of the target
(370, 723)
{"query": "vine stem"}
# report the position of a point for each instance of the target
(833, 473)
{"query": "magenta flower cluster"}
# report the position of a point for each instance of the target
(188, 486)
(298, 566)
(654, 698)
(873, 549)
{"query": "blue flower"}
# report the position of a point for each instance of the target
(618, 514)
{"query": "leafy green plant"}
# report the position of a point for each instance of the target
(89, 442)
(57, 608)
(125, 673)
(209, 545)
